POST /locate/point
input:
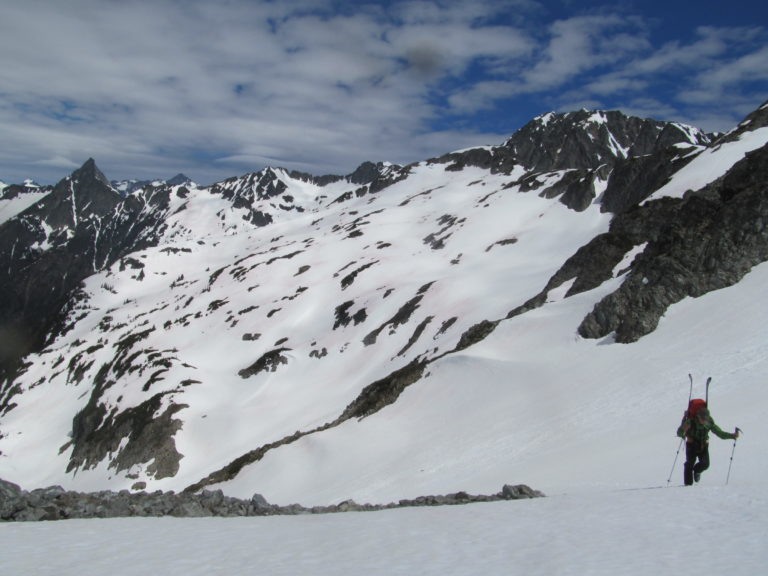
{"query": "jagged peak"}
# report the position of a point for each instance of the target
(591, 138)
(368, 171)
(756, 119)
(87, 181)
(180, 179)
(89, 171)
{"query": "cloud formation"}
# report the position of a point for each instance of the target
(151, 88)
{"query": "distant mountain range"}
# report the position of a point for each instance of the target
(180, 333)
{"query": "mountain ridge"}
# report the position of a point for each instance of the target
(367, 282)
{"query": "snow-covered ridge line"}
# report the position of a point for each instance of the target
(711, 163)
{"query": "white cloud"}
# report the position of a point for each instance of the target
(572, 48)
(210, 88)
(241, 79)
(580, 44)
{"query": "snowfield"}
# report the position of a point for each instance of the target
(601, 449)
(702, 530)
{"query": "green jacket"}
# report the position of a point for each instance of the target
(697, 429)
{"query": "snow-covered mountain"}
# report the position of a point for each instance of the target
(458, 323)
(16, 198)
(126, 187)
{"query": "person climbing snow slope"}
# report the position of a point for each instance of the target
(695, 428)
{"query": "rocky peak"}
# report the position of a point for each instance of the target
(366, 173)
(376, 177)
(84, 193)
(179, 180)
(89, 172)
(587, 139)
(757, 119)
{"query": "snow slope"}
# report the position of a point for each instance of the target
(711, 164)
(11, 207)
(632, 533)
(210, 303)
(535, 404)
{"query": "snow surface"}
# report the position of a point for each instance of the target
(212, 350)
(533, 403)
(633, 532)
(14, 206)
(589, 423)
(536, 404)
(711, 164)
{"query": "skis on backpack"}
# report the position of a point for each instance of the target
(706, 389)
(693, 406)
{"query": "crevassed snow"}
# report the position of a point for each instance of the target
(711, 164)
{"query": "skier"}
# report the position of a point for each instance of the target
(695, 428)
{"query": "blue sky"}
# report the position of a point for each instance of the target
(150, 88)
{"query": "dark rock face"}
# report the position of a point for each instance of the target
(635, 155)
(268, 362)
(457, 161)
(366, 173)
(588, 140)
(385, 391)
(757, 119)
(96, 435)
(55, 503)
(635, 179)
(378, 176)
(706, 241)
(45, 253)
(81, 227)
(576, 189)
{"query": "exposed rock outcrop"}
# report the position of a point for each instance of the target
(707, 241)
(55, 503)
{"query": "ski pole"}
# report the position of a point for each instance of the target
(675, 462)
(677, 454)
(728, 477)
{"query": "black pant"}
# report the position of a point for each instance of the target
(695, 451)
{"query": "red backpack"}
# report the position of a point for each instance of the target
(694, 406)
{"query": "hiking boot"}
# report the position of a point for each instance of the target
(696, 476)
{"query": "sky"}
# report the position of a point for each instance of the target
(150, 88)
